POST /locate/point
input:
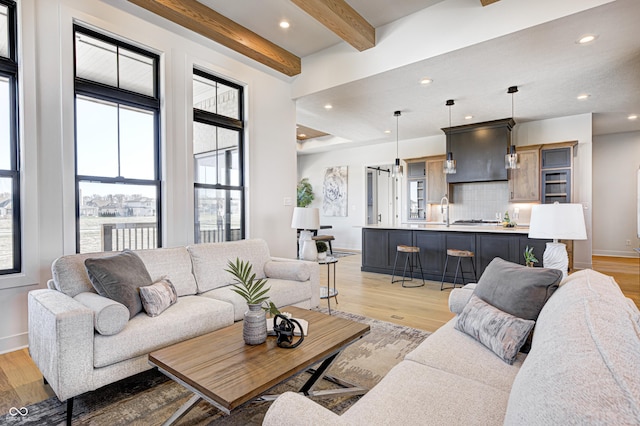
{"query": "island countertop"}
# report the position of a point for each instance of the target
(438, 226)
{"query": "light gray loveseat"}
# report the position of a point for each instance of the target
(583, 368)
(74, 357)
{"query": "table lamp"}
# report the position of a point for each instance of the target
(306, 219)
(557, 221)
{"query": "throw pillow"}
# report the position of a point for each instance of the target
(157, 297)
(118, 278)
(499, 331)
(517, 289)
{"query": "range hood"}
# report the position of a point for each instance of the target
(479, 150)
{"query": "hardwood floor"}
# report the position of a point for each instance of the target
(363, 293)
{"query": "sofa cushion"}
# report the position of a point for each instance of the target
(119, 277)
(458, 353)
(294, 270)
(210, 261)
(109, 316)
(157, 297)
(515, 289)
(173, 263)
(584, 365)
(499, 331)
(282, 293)
(70, 275)
(192, 316)
(415, 394)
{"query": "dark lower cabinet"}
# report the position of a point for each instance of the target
(379, 250)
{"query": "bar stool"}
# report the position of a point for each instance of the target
(410, 252)
(460, 254)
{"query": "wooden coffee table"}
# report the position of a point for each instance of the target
(221, 369)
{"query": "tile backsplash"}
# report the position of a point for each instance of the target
(482, 200)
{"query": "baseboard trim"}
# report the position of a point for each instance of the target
(14, 343)
(615, 253)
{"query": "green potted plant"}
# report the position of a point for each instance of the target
(254, 328)
(305, 193)
(529, 257)
(322, 250)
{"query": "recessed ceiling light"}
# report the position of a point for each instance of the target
(468, 117)
(633, 117)
(328, 106)
(583, 96)
(284, 24)
(387, 132)
(426, 81)
(587, 38)
(302, 135)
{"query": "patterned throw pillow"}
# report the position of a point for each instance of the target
(499, 331)
(157, 297)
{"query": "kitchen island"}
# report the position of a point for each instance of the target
(486, 241)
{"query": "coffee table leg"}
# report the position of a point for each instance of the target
(183, 410)
(320, 373)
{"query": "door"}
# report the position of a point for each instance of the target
(380, 195)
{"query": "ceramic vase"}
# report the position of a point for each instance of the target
(254, 328)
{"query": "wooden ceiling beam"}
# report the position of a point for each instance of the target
(209, 23)
(488, 2)
(343, 20)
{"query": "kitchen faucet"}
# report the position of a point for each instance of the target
(442, 201)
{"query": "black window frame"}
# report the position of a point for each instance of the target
(9, 70)
(99, 91)
(213, 119)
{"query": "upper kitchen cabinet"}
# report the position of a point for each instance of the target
(557, 172)
(524, 182)
(436, 179)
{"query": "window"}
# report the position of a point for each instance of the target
(117, 109)
(218, 138)
(10, 227)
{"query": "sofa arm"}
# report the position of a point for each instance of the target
(292, 409)
(61, 341)
(459, 297)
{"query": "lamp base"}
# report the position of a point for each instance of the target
(304, 236)
(555, 257)
(309, 250)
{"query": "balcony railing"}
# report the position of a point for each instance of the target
(133, 236)
(140, 236)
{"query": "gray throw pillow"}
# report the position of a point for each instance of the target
(157, 297)
(499, 331)
(516, 289)
(118, 278)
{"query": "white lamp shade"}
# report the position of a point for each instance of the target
(306, 218)
(557, 221)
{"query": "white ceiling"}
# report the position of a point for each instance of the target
(544, 61)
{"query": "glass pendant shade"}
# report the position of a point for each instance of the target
(396, 171)
(511, 159)
(449, 164)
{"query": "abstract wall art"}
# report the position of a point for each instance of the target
(334, 191)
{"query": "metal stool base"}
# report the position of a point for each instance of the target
(408, 261)
(458, 267)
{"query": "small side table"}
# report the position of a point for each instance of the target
(328, 293)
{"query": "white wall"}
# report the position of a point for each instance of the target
(48, 144)
(616, 159)
(346, 230)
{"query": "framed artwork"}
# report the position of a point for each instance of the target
(334, 191)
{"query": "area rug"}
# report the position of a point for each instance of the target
(150, 398)
(342, 253)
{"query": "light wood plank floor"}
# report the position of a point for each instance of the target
(361, 293)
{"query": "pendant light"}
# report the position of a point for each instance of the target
(396, 171)
(449, 164)
(511, 159)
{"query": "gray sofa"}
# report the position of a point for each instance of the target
(77, 338)
(583, 368)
